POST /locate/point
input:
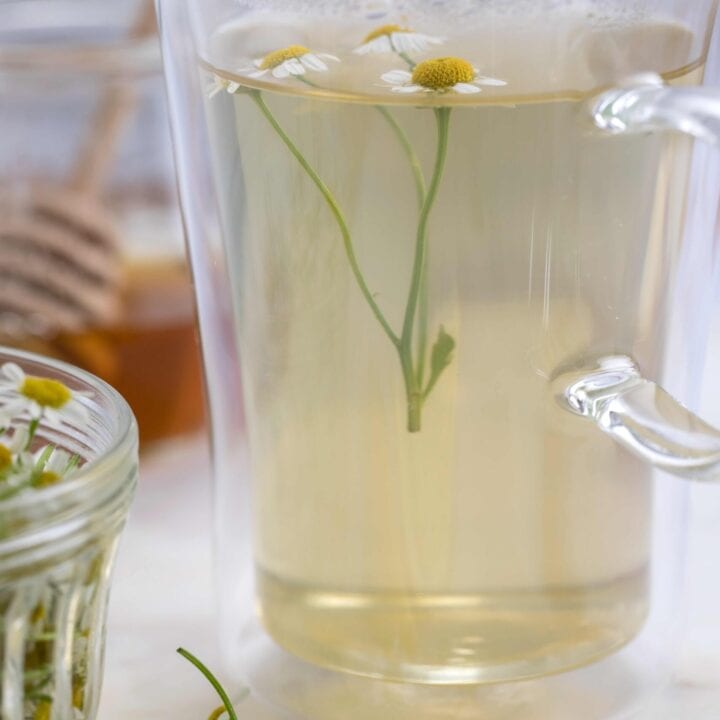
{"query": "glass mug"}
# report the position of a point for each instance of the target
(464, 277)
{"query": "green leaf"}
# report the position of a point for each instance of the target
(440, 358)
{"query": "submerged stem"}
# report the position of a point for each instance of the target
(337, 214)
(416, 311)
(414, 388)
(419, 178)
(409, 151)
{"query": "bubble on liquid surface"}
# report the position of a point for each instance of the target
(449, 12)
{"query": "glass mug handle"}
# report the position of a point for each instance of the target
(643, 103)
(634, 411)
(642, 417)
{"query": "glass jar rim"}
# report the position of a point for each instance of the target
(28, 44)
(123, 442)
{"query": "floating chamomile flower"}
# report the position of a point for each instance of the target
(290, 61)
(220, 84)
(395, 38)
(39, 397)
(440, 75)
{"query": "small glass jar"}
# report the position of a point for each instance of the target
(57, 546)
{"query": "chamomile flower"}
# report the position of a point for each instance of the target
(56, 469)
(447, 74)
(12, 445)
(292, 60)
(38, 397)
(220, 84)
(395, 38)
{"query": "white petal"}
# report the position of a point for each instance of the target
(466, 88)
(408, 89)
(396, 77)
(14, 409)
(402, 41)
(58, 461)
(76, 413)
(280, 71)
(13, 372)
(19, 439)
(416, 43)
(430, 39)
(51, 417)
(294, 67)
(313, 62)
(328, 56)
(481, 80)
(257, 73)
(257, 63)
(380, 44)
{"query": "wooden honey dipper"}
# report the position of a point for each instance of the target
(60, 250)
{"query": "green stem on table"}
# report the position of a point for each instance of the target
(213, 681)
(337, 214)
(413, 383)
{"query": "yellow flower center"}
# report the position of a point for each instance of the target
(78, 697)
(48, 479)
(43, 710)
(46, 392)
(5, 458)
(443, 73)
(38, 614)
(385, 30)
(278, 57)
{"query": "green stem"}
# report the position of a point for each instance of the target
(409, 151)
(212, 680)
(337, 214)
(422, 327)
(413, 387)
(410, 62)
(303, 79)
(32, 429)
(419, 178)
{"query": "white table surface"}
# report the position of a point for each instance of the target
(162, 593)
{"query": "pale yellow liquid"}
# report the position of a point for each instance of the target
(508, 538)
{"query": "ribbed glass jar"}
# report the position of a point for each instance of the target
(57, 547)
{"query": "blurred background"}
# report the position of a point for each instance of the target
(93, 271)
(92, 266)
